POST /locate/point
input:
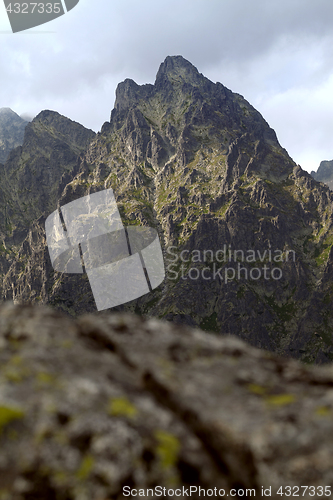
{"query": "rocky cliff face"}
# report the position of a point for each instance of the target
(246, 233)
(12, 129)
(108, 401)
(324, 173)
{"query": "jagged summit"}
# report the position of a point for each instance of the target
(128, 94)
(175, 75)
(182, 106)
(176, 69)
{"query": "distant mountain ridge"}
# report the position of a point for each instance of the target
(12, 128)
(201, 165)
(324, 173)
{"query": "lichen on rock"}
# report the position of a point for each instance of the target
(141, 402)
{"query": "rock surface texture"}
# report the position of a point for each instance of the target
(11, 132)
(91, 405)
(202, 166)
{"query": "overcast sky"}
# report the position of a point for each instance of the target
(277, 53)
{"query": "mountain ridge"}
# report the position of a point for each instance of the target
(324, 173)
(202, 166)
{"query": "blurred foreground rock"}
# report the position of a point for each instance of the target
(90, 406)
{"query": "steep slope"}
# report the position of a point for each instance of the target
(11, 132)
(324, 173)
(200, 164)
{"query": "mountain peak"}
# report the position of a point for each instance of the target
(6, 110)
(11, 132)
(174, 70)
(177, 69)
(9, 113)
(324, 173)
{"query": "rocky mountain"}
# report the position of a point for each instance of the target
(111, 403)
(247, 234)
(12, 128)
(324, 173)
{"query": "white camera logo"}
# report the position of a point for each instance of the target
(122, 263)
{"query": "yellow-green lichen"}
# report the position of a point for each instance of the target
(280, 399)
(256, 389)
(9, 414)
(13, 375)
(323, 411)
(121, 407)
(67, 344)
(61, 478)
(14, 370)
(86, 467)
(167, 449)
(45, 378)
